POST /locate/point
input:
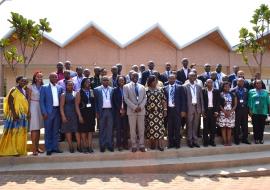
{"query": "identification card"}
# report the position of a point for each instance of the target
(257, 102)
(88, 105)
(241, 101)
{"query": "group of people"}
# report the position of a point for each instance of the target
(144, 104)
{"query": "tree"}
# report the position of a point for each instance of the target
(256, 41)
(29, 36)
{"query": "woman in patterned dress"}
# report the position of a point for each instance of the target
(226, 120)
(156, 111)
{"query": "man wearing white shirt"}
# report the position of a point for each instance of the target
(104, 113)
(182, 74)
(77, 80)
(219, 72)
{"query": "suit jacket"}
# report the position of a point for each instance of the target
(113, 82)
(180, 99)
(131, 99)
(164, 77)
(244, 97)
(246, 84)
(203, 77)
(117, 99)
(216, 98)
(200, 104)
(232, 77)
(99, 98)
(180, 75)
(145, 76)
(46, 98)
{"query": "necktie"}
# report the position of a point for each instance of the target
(136, 90)
(172, 94)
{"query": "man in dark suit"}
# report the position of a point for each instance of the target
(146, 74)
(49, 105)
(177, 108)
(164, 76)
(211, 107)
(120, 114)
(241, 74)
(104, 112)
(241, 112)
(207, 74)
(233, 76)
(182, 74)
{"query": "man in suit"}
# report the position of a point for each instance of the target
(207, 74)
(194, 109)
(211, 107)
(233, 76)
(120, 115)
(164, 76)
(219, 72)
(146, 74)
(241, 74)
(96, 78)
(241, 112)
(182, 74)
(216, 83)
(135, 98)
(104, 114)
(49, 105)
(177, 108)
(113, 78)
(119, 68)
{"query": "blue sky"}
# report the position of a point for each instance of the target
(125, 19)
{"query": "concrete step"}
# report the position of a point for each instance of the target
(148, 165)
(240, 171)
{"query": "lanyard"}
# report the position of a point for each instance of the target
(87, 93)
(241, 93)
(105, 92)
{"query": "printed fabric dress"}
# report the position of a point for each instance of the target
(14, 139)
(228, 104)
(154, 118)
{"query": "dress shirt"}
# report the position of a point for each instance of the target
(55, 95)
(186, 72)
(193, 91)
(210, 98)
(106, 97)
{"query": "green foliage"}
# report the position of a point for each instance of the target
(29, 35)
(255, 42)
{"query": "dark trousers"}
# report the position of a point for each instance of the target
(174, 127)
(52, 125)
(241, 121)
(209, 127)
(258, 121)
(106, 128)
(121, 124)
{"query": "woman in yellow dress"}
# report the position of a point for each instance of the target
(16, 115)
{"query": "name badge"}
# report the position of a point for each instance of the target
(257, 102)
(88, 105)
(241, 101)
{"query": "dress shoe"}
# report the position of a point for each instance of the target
(111, 149)
(190, 145)
(134, 150)
(161, 149)
(142, 149)
(79, 149)
(120, 149)
(257, 142)
(261, 141)
(177, 146)
(196, 145)
(57, 151)
(48, 153)
(102, 149)
(205, 144)
(237, 143)
(213, 144)
(246, 142)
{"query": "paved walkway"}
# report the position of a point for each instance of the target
(129, 182)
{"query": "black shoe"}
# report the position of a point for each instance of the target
(257, 142)
(134, 150)
(120, 149)
(161, 149)
(177, 146)
(126, 147)
(261, 141)
(57, 151)
(205, 144)
(79, 149)
(111, 149)
(213, 144)
(102, 149)
(48, 153)
(71, 150)
(190, 145)
(169, 147)
(246, 142)
(196, 145)
(90, 150)
(142, 149)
